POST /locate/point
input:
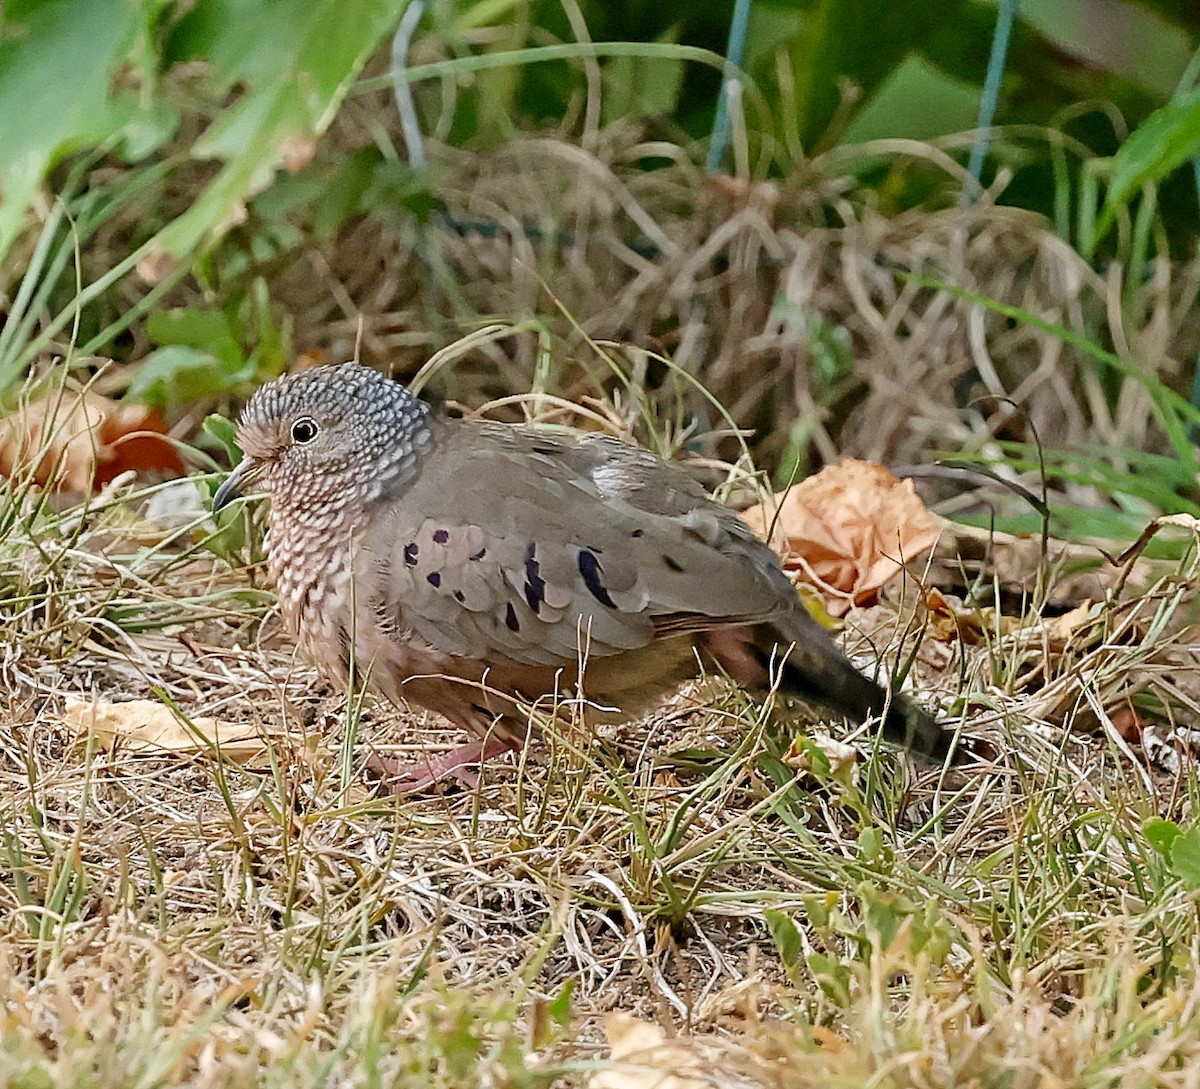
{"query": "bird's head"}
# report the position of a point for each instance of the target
(328, 435)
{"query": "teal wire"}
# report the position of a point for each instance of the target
(1005, 17)
(410, 125)
(735, 52)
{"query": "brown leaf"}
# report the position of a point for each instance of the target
(1129, 724)
(950, 621)
(1061, 630)
(643, 1058)
(156, 265)
(143, 726)
(296, 153)
(847, 530)
(840, 755)
(79, 441)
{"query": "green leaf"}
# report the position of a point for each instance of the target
(870, 845)
(1166, 140)
(818, 759)
(1179, 847)
(1161, 834)
(640, 87)
(1185, 857)
(177, 374)
(149, 129)
(224, 430)
(916, 101)
(819, 908)
(559, 1008)
(296, 60)
(785, 935)
(832, 977)
(56, 95)
(884, 913)
(205, 330)
(202, 352)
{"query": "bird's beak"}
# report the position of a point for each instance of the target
(234, 483)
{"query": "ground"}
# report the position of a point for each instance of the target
(189, 917)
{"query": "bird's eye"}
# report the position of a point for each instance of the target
(304, 430)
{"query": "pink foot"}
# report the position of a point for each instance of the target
(401, 778)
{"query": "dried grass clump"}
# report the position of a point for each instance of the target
(753, 289)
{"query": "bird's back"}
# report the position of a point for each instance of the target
(518, 545)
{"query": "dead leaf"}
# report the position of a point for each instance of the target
(1128, 724)
(828, 1039)
(143, 726)
(296, 153)
(1060, 630)
(79, 441)
(156, 265)
(840, 755)
(950, 621)
(643, 1058)
(848, 530)
(314, 357)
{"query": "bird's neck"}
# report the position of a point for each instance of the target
(399, 464)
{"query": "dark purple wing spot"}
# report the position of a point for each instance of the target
(589, 568)
(441, 536)
(434, 578)
(535, 585)
(410, 553)
(510, 618)
(674, 565)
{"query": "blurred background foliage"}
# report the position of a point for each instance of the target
(234, 81)
(200, 190)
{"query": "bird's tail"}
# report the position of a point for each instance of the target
(817, 671)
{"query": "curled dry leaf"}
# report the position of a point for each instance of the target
(950, 621)
(840, 755)
(847, 530)
(1080, 625)
(1129, 724)
(143, 726)
(78, 441)
(643, 1057)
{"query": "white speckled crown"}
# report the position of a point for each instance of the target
(388, 424)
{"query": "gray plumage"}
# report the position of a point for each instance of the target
(474, 565)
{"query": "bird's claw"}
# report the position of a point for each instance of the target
(400, 778)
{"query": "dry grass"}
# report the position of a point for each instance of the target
(183, 919)
(791, 301)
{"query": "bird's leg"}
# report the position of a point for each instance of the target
(411, 778)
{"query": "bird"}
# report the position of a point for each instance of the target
(475, 568)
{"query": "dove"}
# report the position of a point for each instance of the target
(475, 568)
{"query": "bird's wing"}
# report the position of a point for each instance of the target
(524, 547)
